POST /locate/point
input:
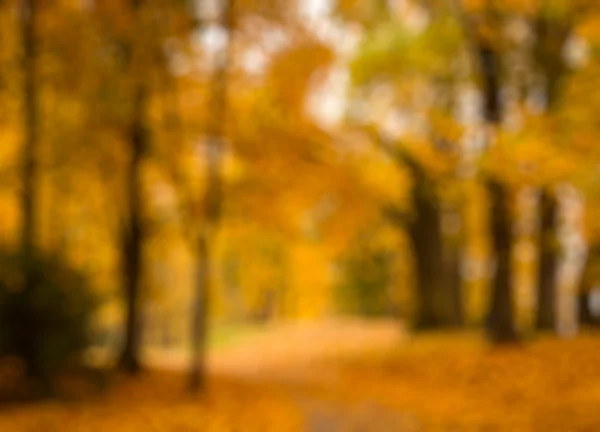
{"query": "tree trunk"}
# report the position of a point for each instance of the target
(133, 233)
(212, 203)
(551, 38)
(199, 314)
(30, 126)
(501, 320)
(452, 268)
(546, 312)
(28, 336)
(426, 237)
(436, 301)
(205, 264)
(133, 238)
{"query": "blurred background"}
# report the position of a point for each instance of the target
(312, 215)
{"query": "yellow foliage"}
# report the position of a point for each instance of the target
(535, 155)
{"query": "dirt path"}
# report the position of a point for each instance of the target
(302, 357)
(294, 349)
(290, 351)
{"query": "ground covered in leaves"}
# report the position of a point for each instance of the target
(445, 382)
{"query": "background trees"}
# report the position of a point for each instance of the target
(254, 161)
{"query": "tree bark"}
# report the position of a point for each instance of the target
(212, 203)
(28, 338)
(434, 305)
(547, 290)
(501, 320)
(133, 238)
(133, 233)
(28, 9)
(199, 316)
(427, 244)
(551, 38)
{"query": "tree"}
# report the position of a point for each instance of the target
(212, 201)
(552, 35)
(575, 110)
(28, 15)
(28, 12)
(482, 25)
(435, 307)
(125, 92)
(137, 138)
(411, 65)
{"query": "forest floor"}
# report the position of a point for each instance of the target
(347, 376)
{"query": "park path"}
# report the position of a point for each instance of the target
(302, 356)
(291, 351)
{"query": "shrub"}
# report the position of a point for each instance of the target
(366, 276)
(46, 325)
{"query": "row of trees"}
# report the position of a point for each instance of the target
(86, 44)
(214, 102)
(122, 101)
(518, 57)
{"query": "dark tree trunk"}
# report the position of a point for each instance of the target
(434, 305)
(28, 9)
(133, 239)
(548, 244)
(212, 203)
(490, 70)
(427, 244)
(501, 321)
(28, 337)
(133, 233)
(551, 38)
(199, 314)
(204, 266)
